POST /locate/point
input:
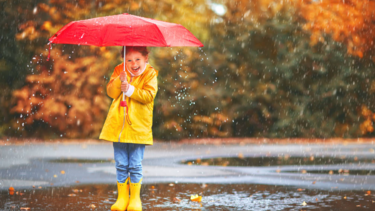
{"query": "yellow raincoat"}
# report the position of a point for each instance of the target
(140, 104)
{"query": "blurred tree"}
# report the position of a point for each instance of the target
(13, 56)
(69, 100)
(351, 22)
(279, 85)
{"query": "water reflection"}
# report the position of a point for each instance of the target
(76, 160)
(277, 161)
(177, 197)
(344, 172)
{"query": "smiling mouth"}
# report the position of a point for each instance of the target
(136, 69)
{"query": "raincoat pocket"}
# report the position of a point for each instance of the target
(141, 117)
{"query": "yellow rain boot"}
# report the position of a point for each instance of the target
(135, 203)
(123, 196)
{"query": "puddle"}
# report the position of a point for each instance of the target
(75, 160)
(344, 172)
(277, 161)
(177, 197)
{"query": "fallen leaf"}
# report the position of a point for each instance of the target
(92, 206)
(368, 192)
(316, 199)
(240, 155)
(171, 184)
(62, 172)
(72, 194)
(314, 182)
(196, 198)
(300, 189)
(344, 197)
(77, 181)
(55, 176)
(189, 163)
(204, 185)
(176, 200)
(312, 158)
(358, 205)
(205, 164)
(303, 171)
(330, 172)
(198, 160)
(25, 208)
(303, 203)
(278, 170)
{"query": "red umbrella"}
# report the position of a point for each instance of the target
(124, 30)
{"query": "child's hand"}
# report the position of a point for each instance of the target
(124, 86)
(123, 76)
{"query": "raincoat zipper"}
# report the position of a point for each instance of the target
(123, 124)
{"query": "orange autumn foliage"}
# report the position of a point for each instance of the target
(367, 126)
(70, 99)
(350, 22)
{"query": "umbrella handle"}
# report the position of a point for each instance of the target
(123, 102)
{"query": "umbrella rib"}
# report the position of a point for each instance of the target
(55, 36)
(165, 42)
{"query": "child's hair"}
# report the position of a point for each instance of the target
(141, 49)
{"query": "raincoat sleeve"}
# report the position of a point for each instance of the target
(114, 85)
(147, 93)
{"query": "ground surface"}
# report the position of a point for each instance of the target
(39, 167)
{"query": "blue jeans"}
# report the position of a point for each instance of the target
(128, 159)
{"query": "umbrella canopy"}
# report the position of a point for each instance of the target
(125, 30)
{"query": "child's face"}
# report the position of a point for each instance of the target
(135, 61)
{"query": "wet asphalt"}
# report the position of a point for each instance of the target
(64, 164)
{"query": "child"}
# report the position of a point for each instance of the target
(130, 134)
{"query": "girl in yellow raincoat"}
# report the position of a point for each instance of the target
(130, 133)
